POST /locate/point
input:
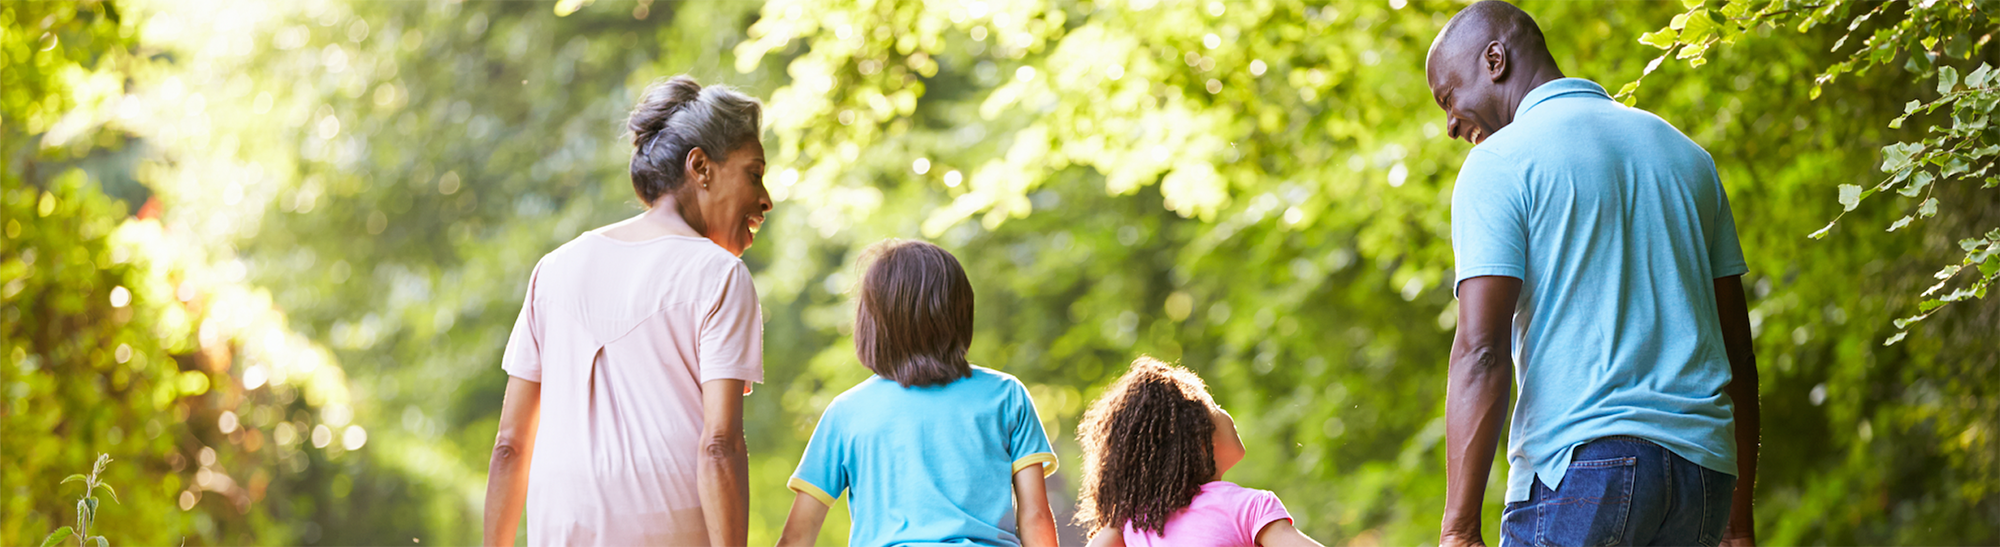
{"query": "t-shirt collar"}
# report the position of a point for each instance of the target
(1556, 88)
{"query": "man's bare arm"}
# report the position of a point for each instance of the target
(1734, 313)
(1476, 395)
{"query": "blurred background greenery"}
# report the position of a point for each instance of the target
(266, 254)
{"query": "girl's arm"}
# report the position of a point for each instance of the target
(1031, 508)
(802, 526)
(507, 472)
(1110, 537)
(1280, 533)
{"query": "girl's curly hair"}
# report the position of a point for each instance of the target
(1148, 446)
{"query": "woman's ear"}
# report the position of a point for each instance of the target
(698, 167)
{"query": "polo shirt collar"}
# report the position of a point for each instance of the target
(1556, 88)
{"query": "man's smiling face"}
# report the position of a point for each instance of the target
(1469, 98)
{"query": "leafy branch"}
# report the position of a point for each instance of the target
(1924, 35)
(86, 508)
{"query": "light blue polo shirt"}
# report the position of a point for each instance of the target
(1617, 226)
(927, 465)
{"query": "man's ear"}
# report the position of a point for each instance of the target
(1494, 60)
(697, 167)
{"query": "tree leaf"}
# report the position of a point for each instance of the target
(100, 541)
(1821, 233)
(1928, 209)
(1947, 79)
(1691, 4)
(55, 538)
(1850, 197)
(1663, 38)
(1900, 223)
(1897, 338)
(73, 478)
(114, 493)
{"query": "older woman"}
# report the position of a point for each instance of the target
(636, 345)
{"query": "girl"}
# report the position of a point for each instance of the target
(1154, 451)
(927, 449)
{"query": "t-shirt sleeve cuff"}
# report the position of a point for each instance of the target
(524, 373)
(1048, 461)
(801, 486)
(1726, 270)
(754, 375)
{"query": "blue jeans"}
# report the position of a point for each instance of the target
(1623, 491)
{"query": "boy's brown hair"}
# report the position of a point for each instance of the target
(913, 321)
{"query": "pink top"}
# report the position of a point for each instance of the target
(621, 335)
(1222, 515)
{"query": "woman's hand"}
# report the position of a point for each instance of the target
(513, 448)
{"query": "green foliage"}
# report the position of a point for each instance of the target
(1927, 37)
(86, 507)
(1255, 189)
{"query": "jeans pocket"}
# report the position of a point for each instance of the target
(1591, 506)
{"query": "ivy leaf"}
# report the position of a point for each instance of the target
(55, 538)
(1947, 79)
(1850, 197)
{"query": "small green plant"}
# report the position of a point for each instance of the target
(86, 508)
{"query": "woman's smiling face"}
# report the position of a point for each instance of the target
(731, 199)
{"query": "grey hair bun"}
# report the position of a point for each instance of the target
(676, 116)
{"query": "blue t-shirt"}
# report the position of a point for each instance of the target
(929, 465)
(1617, 226)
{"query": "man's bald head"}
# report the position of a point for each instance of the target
(1491, 21)
(1487, 58)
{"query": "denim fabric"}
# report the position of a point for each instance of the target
(1623, 491)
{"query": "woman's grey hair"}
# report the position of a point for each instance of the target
(676, 116)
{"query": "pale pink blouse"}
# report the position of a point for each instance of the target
(621, 336)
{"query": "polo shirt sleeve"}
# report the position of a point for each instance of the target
(1026, 442)
(1489, 219)
(1725, 253)
(732, 334)
(523, 356)
(823, 469)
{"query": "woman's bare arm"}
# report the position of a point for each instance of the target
(507, 473)
(1031, 508)
(724, 475)
(1281, 533)
(802, 526)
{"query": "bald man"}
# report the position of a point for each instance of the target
(1594, 247)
